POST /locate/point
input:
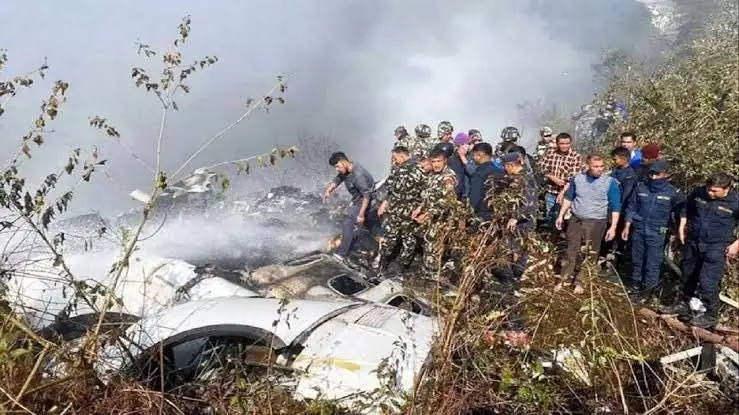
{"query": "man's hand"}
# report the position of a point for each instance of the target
(328, 192)
(556, 180)
(421, 218)
(381, 210)
(512, 224)
(360, 219)
(415, 213)
(733, 249)
(625, 232)
(559, 222)
(611, 233)
(462, 150)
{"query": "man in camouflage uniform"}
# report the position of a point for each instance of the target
(438, 201)
(415, 145)
(445, 133)
(546, 142)
(515, 207)
(423, 141)
(404, 186)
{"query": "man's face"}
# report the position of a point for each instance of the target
(619, 161)
(342, 167)
(564, 145)
(398, 135)
(438, 164)
(715, 192)
(480, 157)
(446, 137)
(628, 142)
(400, 158)
(512, 168)
(425, 165)
(596, 167)
(546, 137)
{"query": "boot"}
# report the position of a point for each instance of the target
(643, 297)
(705, 320)
(679, 307)
(632, 287)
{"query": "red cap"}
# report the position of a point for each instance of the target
(650, 151)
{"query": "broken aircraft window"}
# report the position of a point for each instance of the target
(406, 303)
(200, 359)
(346, 285)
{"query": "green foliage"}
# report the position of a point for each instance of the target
(691, 105)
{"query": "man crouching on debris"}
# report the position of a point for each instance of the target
(591, 195)
(361, 186)
(708, 224)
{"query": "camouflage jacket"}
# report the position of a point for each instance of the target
(516, 198)
(415, 145)
(430, 143)
(439, 195)
(405, 187)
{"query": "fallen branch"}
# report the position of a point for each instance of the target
(731, 342)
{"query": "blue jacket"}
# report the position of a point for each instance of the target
(478, 189)
(652, 204)
(626, 177)
(635, 160)
(455, 164)
(711, 221)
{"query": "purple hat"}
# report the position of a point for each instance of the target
(461, 139)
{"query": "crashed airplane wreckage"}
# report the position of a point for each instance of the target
(203, 319)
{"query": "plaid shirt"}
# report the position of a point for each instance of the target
(564, 166)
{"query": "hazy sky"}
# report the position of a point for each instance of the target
(357, 69)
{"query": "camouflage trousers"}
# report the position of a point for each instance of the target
(433, 248)
(403, 232)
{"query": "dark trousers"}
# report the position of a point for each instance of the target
(518, 264)
(348, 230)
(647, 253)
(619, 248)
(588, 232)
(519, 259)
(704, 264)
(551, 209)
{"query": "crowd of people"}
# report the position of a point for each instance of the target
(628, 211)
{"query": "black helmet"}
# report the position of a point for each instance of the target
(447, 148)
(423, 131)
(510, 134)
(401, 131)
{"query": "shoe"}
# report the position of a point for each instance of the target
(631, 286)
(642, 297)
(679, 307)
(705, 320)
